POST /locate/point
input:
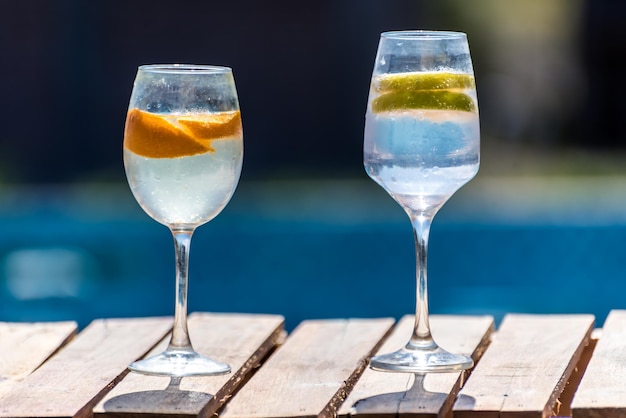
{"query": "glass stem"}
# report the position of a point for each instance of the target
(180, 334)
(421, 338)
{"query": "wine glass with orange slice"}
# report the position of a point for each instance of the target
(183, 151)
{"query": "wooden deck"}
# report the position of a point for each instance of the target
(531, 366)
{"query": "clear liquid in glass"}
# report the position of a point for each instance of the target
(421, 157)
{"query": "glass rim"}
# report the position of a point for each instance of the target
(184, 68)
(423, 34)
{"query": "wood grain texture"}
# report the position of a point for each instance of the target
(71, 381)
(25, 346)
(311, 374)
(240, 340)
(602, 390)
(393, 395)
(526, 367)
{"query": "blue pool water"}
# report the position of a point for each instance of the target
(317, 250)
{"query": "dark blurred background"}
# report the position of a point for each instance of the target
(547, 73)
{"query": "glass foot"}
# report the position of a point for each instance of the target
(421, 361)
(179, 363)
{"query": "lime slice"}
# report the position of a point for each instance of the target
(429, 99)
(434, 90)
(424, 81)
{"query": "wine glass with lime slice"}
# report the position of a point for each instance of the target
(183, 151)
(422, 143)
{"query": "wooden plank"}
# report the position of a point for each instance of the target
(240, 340)
(311, 374)
(405, 394)
(602, 390)
(76, 377)
(526, 367)
(25, 346)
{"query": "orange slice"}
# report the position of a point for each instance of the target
(170, 136)
(212, 126)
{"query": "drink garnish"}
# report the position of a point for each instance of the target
(170, 136)
(424, 81)
(212, 125)
(439, 91)
(431, 99)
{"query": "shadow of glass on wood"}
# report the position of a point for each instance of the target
(171, 401)
(416, 400)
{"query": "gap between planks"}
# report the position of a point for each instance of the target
(390, 395)
(67, 384)
(602, 390)
(526, 367)
(70, 383)
(240, 340)
(25, 346)
(312, 372)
